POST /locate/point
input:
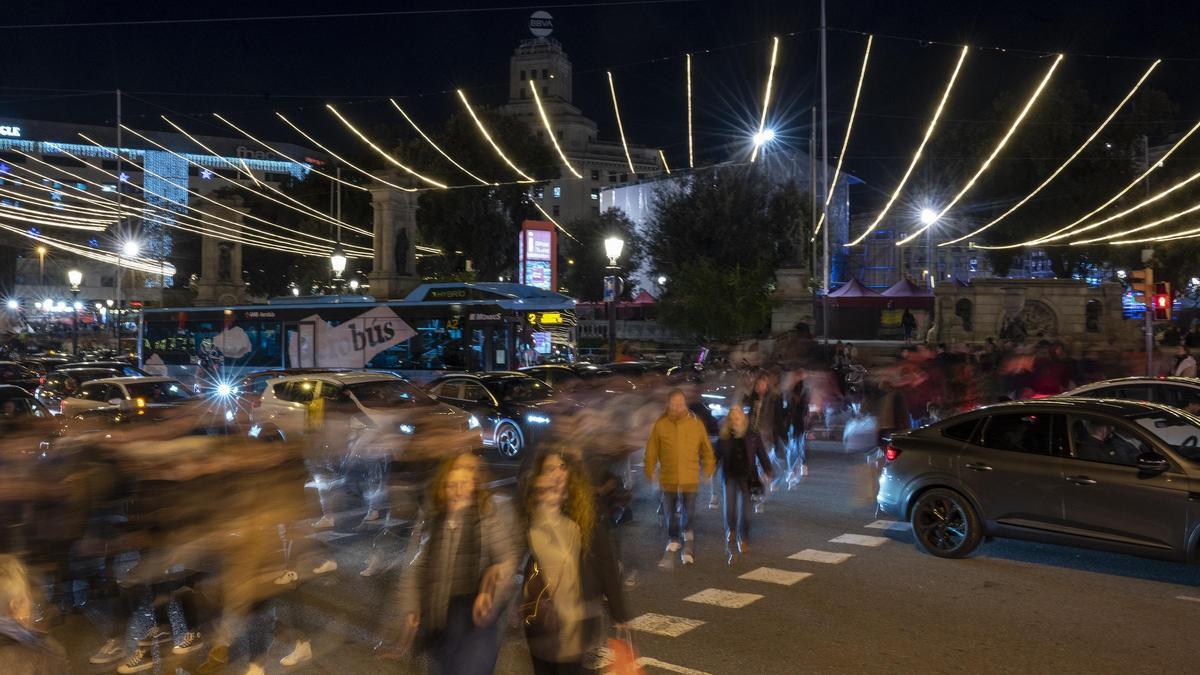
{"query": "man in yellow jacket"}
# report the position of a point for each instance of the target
(680, 448)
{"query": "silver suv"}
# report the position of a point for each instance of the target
(376, 414)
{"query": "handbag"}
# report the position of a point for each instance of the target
(537, 603)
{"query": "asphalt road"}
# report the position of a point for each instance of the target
(803, 601)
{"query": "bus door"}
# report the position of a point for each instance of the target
(300, 338)
(488, 347)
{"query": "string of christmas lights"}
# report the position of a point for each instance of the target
(762, 120)
(488, 137)
(862, 75)
(436, 146)
(537, 99)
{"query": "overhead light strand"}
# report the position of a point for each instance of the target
(488, 137)
(436, 146)
(862, 75)
(612, 88)
(762, 120)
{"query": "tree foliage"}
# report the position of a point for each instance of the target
(586, 267)
(719, 238)
(480, 223)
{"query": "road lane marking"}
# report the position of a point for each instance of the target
(889, 525)
(773, 576)
(720, 598)
(827, 557)
(662, 665)
(1190, 598)
(859, 540)
(664, 625)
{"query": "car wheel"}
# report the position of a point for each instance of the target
(508, 440)
(945, 524)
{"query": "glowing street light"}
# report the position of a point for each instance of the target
(75, 277)
(354, 285)
(13, 304)
(763, 137)
(295, 291)
(662, 280)
(337, 261)
(131, 249)
(928, 216)
(612, 248)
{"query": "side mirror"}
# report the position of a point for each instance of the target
(1152, 462)
(116, 401)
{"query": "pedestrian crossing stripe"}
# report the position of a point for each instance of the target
(664, 625)
(720, 598)
(1191, 598)
(859, 540)
(646, 661)
(827, 557)
(773, 576)
(889, 525)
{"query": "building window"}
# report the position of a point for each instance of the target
(595, 194)
(557, 192)
(612, 176)
(595, 174)
(555, 210)
(624, 178)
(545, 90)
(545, 74)
(539, 192)
(522, 93)
(522, 75)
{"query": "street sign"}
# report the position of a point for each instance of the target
(610, 289)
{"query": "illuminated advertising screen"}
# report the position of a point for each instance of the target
(536, 250)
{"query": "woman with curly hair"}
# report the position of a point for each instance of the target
(455, 587)
(572, 572)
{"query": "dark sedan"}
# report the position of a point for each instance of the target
(513, 409)
(1105, 474)
(18, 375)
(580, 376)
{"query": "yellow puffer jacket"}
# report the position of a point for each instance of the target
(681, 449)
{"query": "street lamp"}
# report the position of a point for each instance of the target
(763, 137)
(612, 290)
(337, 261)
(75, 277)
(130, 249)
(354, 285)
(41, 251)
(13, 304)
(295, 291)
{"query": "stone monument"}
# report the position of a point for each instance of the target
(394, 272)
(220, 281)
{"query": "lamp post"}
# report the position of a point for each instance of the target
(75, 277)
(130, 249)
(337, 261)
(612, 290)
(929, 218)
(41, 251)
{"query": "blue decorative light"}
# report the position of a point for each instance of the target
(4, 168)
(124, 177)
(93, 243)
(206, 174)
(34, 232)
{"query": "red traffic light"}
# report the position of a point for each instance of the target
(1162, 301)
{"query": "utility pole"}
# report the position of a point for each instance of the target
(825, 173)
(120, 225)
(812, 176)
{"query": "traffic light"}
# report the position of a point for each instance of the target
(1162, 301)
(1142, 281)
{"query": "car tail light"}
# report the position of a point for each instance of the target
(891, 452)
(41, 381)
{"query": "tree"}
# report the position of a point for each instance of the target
(719, 239)
(480, 223)
(586, 261)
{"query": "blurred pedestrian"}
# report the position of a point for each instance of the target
(457, 585)
(797, 428)
(572, 575)
(741, 456)
(679, 448)
(1185, 363)
(766, 416)
(23, 651)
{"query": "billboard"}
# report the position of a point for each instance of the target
(537, 252)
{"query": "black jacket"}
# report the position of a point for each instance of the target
(753, 459)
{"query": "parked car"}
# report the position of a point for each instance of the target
(1096, 473)
(248, 390)
(25, 424)
(512, 408)
(18, 404)
(379, 412)
(65, 382)
(1177, 392)
(44, 364)
(123, 368)
(563, 377)
(19, 375)
(125, 391)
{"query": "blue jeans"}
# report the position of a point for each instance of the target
(679, 506)
(462, 648)
(737, 509)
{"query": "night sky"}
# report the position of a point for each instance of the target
(248, 69)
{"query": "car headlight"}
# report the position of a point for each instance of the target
(406, 429)
(533, 418)
(472, 422)
(718, 410)
(225, 390)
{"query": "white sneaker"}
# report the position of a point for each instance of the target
(110, 652)
(326, 567)
(803, 469)
(687, 558)
(191, 642)
(288, 577)
(302, 653)
(324, 523)
(673, 547)
(137, 663)
(255, 669)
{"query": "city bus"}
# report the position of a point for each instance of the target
(438, 327)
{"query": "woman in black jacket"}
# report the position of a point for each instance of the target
(740, 455)
(572, 573)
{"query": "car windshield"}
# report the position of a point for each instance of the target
(389, 394)
(519, 389)
(1181, 433)
(157, 392)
